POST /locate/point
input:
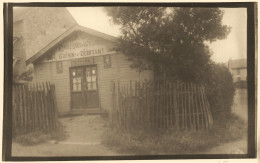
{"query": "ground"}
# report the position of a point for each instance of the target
(84, 136)
(239, 108)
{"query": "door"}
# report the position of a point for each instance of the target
(91, 86)
(84, 89)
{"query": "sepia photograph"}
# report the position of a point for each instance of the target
(112, 80)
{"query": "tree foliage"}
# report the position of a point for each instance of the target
(220, 90)
(174, 40)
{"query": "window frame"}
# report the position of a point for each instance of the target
(109, 64)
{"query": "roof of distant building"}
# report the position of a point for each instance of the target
(238, 63)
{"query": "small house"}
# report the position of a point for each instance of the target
(79, 61)
(238, 69)
(82, 64)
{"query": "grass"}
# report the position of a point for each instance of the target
(176, 142)
(38, 137)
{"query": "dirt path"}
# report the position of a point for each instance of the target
(84, 135)
(239, 108)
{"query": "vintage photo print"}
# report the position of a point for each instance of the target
(106, 81)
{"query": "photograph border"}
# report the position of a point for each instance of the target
(251, 76)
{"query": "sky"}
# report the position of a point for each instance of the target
(233, 47)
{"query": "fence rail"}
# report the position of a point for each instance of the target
(34, 107)
(162, 105)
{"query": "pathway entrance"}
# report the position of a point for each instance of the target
(240, 109)
(84, 137)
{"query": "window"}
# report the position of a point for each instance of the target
(91, 78)
(107, 61)
(76, 84)
(59, 67)
(77, 80)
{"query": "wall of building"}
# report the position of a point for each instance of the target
(46, 70)
(119, 71)
(239, 74)
(41, 25)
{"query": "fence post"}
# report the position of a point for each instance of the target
(177, 107)
(55, 117)
(204, 109)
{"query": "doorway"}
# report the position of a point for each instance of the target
(84, 87)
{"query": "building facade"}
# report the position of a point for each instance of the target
(238, 69)
(82, 64)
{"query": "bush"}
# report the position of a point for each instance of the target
(220, 91)
(38, 137)
(175, 142)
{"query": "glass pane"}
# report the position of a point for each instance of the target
(93, 71)
(88, 78)
(79, 80)
(74, 88)
(79, 87)
(89, 86)
(94, 86)
(93, 78)
(74, 80)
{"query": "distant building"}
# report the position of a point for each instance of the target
(238, 69)
(33, 29)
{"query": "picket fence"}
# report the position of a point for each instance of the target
(34, 107)
(160, 105)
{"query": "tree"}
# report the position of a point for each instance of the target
(174, 40)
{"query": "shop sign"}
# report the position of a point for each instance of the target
(81, 48)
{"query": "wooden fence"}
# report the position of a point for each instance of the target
(34, 107)
(161, 105)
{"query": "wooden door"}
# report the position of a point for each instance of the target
(84, 89)
(91, 87)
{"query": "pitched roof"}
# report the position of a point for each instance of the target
(238, 63)
(76, 27)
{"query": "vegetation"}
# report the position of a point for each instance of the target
(175, 42)
(220, 91)
(38, 137)
(175, 142)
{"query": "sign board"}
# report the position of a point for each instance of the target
(81, 47)
(82, 61)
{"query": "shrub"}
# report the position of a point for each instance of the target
(38, 137)
(176, 141)
(220, 91)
